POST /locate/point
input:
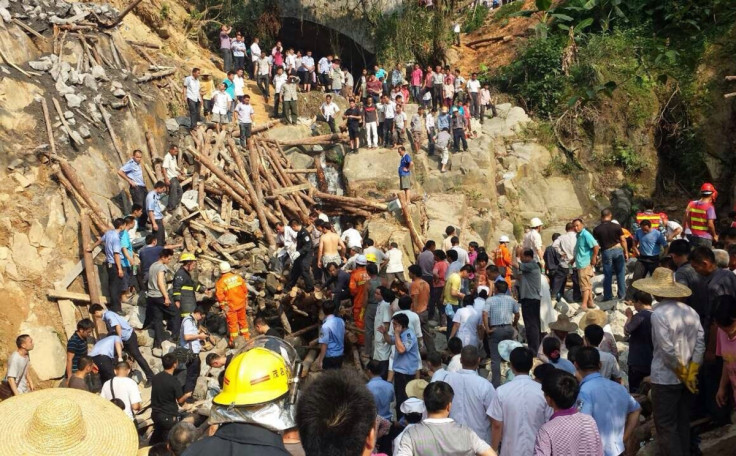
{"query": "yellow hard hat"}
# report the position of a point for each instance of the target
(370, 257)
(186, 256)
(254, 377)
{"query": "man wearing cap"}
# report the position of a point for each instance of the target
(502, 259)
(301, 257)
(558, 330)
(473, 394)
(679, 346)
(700, 217)
(533, 240)
(586, 256)
(359, 279)
(530, 297)
(289, 95)
(185, 287)
(232, 294)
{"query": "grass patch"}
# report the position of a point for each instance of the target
(503, 13)
(475, 18)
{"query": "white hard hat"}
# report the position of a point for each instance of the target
(361, 260)
(224, 267)
(504, 238)
(536, 222)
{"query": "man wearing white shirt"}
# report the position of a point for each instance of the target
(462, 254)
(220, 106)
(329, 110)
(519, 408)
(473, 394)
(263, 75)
(124, 388)
(351, 237)
(255, 54)
(239, 83)
(190, 339)
(279, 80)
(473, 88)
(381, 349)
(324, 66)
(307, 70)
(172, 178)
(238, 48)
(244, 116)
(389, 113)
(193, 97)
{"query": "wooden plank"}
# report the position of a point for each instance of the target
(291, 189)
(77, 269)
(63, 294)
(300, 171)
(93, 280)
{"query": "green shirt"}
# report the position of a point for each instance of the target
(584, 249)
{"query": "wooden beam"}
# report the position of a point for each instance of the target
(300, 171)
(93, 280)
(63, 294)
(292, 189)
(77, 269)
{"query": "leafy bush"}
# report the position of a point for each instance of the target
(475, 18)
(506, 11)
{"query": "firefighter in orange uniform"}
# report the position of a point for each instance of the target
(502, 259)
(359, 280)
(232, 294)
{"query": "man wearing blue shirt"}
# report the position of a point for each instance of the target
(383, 391)
(113, 261)
(118, 325)
(132, 172)
(153, 209)
(405, 172)
(406, 358)
(648, 245)
(614, 410)
(586, 254)
(331, 338)
(104, 353)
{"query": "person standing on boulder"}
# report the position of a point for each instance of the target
(586, 256)
(405, 166)
(193, 96)
(329, 110)
(153, 209)
(289, 96)
(612, 241)
(172, 177)
(354, 116)
(132, 173)
(225, 48)
(113, 261)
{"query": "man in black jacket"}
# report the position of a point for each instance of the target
(302, 258)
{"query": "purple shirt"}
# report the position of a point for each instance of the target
(225, 40)
(569, 432)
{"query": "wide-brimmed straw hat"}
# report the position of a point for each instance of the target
(593, 317)
(415, 388)
(662, 284)
(505, 347)
(65, 422)
(564, 324)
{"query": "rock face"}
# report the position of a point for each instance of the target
(371, 171)
(48, 356)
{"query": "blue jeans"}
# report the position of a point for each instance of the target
(614, 262)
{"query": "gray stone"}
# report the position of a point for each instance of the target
(89, 81)
(72, 100)
(5, 14)
(48, 356)
(98, 73)
(617, 320)
(68, 114)
(84, 131)
(172, 125)
(15, 163)
(41, 65)
(119, 93)
(227, 240)
(62, 88)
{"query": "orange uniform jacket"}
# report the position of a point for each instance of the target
(503, 259)
(231, 290)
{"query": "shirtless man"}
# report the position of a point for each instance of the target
(331, 248)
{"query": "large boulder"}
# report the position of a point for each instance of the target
(48, 357)
(371, 172)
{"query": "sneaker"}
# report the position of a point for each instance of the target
(147, 384)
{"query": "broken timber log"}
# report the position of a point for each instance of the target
(416, 240)
(90, 270)
(323, 140)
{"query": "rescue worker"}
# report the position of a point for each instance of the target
(502, 259)
(185, 287)
(359, 281)
(256, 404)
(232, 294)
(301, 258)
(656, 218)
(700, 216)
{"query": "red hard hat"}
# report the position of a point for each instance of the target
(707, 188)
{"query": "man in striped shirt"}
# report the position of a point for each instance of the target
(568, 432)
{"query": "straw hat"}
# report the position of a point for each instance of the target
(65, 422)
(662, 284)
(415, 388)
(563, 323)
(593, 317)
(505, 347)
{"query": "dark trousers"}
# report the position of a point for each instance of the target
(193, 113)
(671, 407)
(636, 375)
(161, 313)
(577, 296)
(193, 369)
(160, 233)
(388, 130)
(115, 288)
(458, 135)
(426, 333)
(400, 382)
(483, 108)
(370, 320)
(227, 59)
(614, 262)
(331, 124)
(435, 302)
(162, 424)
(474, 105)
(557, 287)
(697, 241)
(498, 334)
(300, 268)
(333, 362)
(105, 367)
(262, 81)
(290, 111)
(532, 324)
(436, 95)
(175, 193)
(430, 143)
(239, 62)
(131, 346)
(138, 195)
(276, 103)
(644, 266)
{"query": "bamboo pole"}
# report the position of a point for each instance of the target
(416, 240)
(49, 130)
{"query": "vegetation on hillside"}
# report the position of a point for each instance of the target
(631, 63)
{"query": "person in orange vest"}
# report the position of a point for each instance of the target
(700, 216)
(656, 218)
(359, 280)
(232, 294)
(502, 259)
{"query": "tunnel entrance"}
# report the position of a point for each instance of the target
(304, 35)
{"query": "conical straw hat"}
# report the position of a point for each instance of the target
(65, 422)
(662, 283)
